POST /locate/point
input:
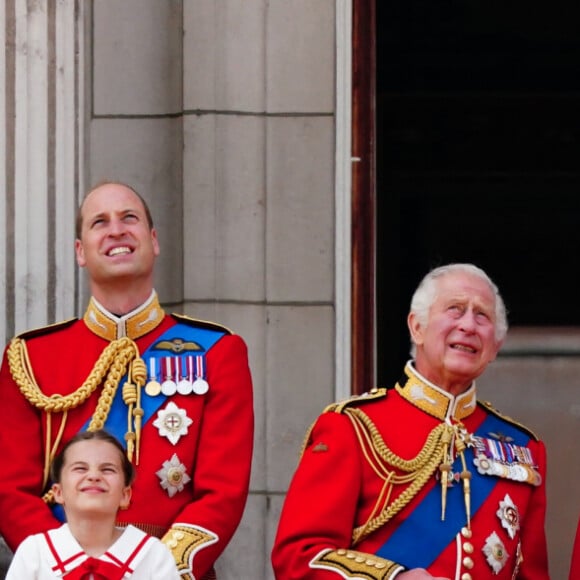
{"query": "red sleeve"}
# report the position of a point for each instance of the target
(221, 473)
(533, 537)
(23, 511)
(319, 510)
(575, 565)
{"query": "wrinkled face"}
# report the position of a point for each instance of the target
(116, 241)
(458, 341)
(92, 480)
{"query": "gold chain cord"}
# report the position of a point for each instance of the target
(416, 471)
(113, 362)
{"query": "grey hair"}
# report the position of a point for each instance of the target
(426, 294)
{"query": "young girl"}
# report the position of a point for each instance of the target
(92, 480)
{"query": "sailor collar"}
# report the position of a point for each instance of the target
(135, 324)
(432, 399)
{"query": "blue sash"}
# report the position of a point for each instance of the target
(116, 423)
(424, 523)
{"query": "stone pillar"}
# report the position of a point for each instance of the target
(41, 164)
(41, 108)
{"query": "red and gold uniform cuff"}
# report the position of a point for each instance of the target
(184, 542)
(354, 564)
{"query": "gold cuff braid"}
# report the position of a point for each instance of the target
(359, 565)
(183, 542)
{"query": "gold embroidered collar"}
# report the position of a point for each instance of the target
(133, 325)
(434, 400)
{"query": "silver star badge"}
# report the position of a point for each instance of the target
(495, 553)
(509, 516)
(172, 422)
(172, 475)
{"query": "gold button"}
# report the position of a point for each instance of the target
(466, 532)
(341, 551)
(468, 563)
(466, 576)
(468, 548)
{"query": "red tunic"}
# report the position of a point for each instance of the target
(342, 481)
(575, 565)
(215, 452)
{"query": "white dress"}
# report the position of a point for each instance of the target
(55, 554)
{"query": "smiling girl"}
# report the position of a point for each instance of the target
(92, 481)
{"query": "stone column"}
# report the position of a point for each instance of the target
(41, 160)
(41, 164)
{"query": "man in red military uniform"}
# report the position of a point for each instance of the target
(177, 391)
(422, 481)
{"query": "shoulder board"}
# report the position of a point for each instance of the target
(47, 329)
(201, 323)
(490, 408)
(372, 395)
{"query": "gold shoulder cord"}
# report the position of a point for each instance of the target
(383, 461)
(118, 358)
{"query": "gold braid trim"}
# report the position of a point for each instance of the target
(113, 363)
(356, 565)
(184, 542)
(383, 461)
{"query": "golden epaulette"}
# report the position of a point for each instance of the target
(372, 395)
(47, 329)
(489, 407)
(201, 323)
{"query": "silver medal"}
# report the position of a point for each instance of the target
(184, 387)
(200, 387)
(168, 387)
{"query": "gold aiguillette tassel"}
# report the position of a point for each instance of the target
(139, 374)
(465, 477)
(130, 398)
(444, 470)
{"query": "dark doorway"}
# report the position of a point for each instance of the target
(478, 150)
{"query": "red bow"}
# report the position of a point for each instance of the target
(100, 569)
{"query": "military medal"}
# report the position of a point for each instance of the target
(173, 476)
(152, 388)
(495, 553)
(509, 516)
(168, 386)
(172, 422)
(185, 386)
(504, 459)
(200, 386)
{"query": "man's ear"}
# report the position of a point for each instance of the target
(155, 242)
(415, 329)
(80, 253)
